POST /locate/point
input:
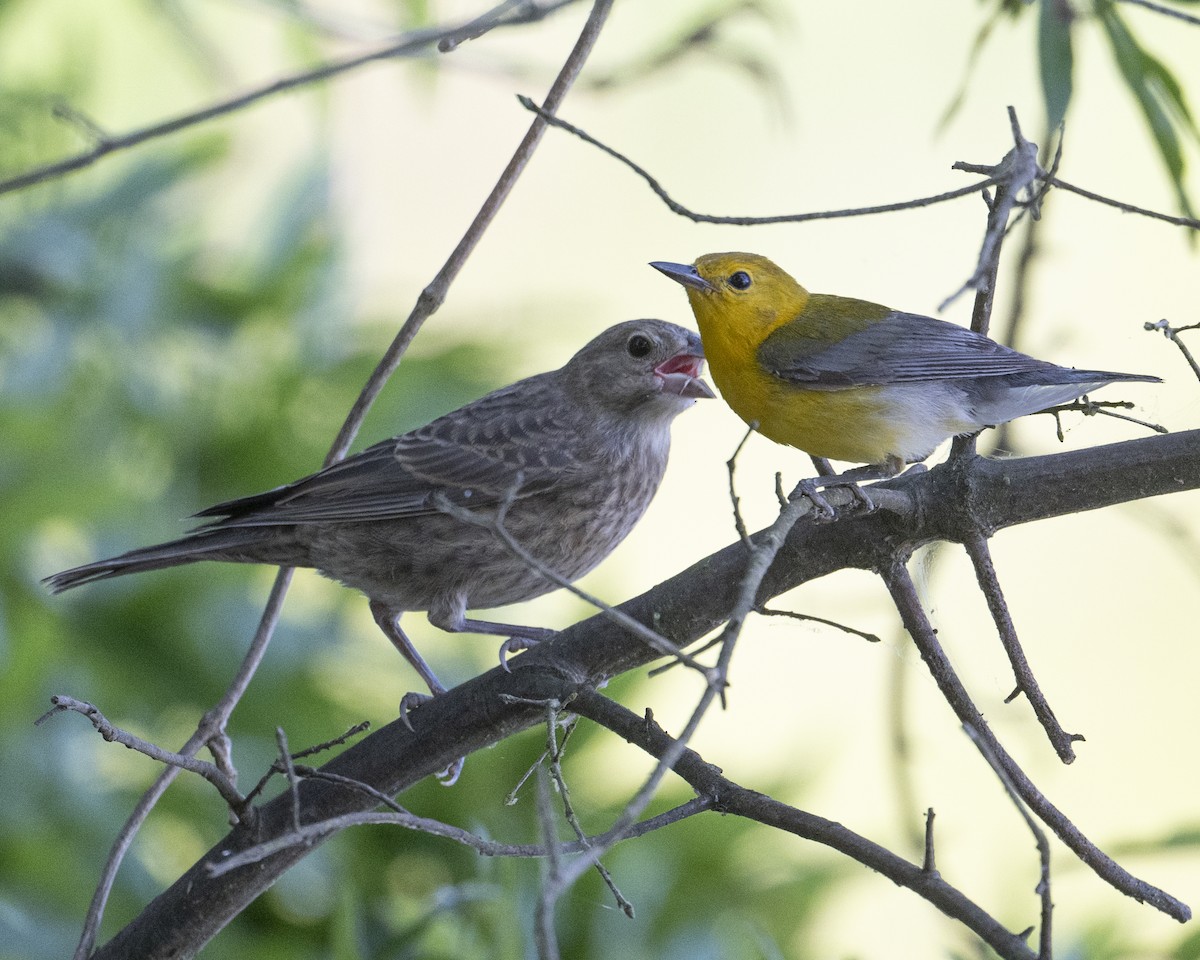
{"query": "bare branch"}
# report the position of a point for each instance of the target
(434, 294)
(808, 617)
(495, 523)
(731, 464)
(675, 207)
(904, 594)
(985, 573)
(1172, 334)
(114, 734)
(1189, 222)
(746, 221)
(929, 864)
(1016, 172)
(732, 798)
(1045, 937)
(279, 767)
(212, 724)
(505, 14)
(1166, 11)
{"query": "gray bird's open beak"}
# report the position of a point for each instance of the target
(683, 273)
(680, 375)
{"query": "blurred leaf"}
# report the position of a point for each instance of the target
(1158, 95)
(1002, 9)
(1055, 58)
(1188, 948)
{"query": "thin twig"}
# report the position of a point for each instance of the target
(1172, 334)
(1016, 172)
(675, 207)
(114, 734)
(1045, 935)
(397, 816)
(434, 294)
(285, 759)
(555, 750)
(1189, 222)
(278, 767)
(904, 594)
(744, 221)
(731, 798)
(417, 40)
(1098, 408)
(810, 618)
(731, 464)
(543, 927)
(1166, 11)
(985, 574)
(494, 521)
(213, 721)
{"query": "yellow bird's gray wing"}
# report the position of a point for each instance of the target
(910, 348)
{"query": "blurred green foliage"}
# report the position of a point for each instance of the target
(146, 372)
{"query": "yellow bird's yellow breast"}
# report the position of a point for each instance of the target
(855, 424)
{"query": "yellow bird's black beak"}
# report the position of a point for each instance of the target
(682, 273)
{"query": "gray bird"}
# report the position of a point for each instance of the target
(573, 456)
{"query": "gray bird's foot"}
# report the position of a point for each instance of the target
(410, 701)
(449, 776)
(515, 645)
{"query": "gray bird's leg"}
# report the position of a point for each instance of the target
(453, 619)
(389, 622)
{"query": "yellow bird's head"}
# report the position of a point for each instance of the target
(737, 296)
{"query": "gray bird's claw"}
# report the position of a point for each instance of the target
(411, 701)
(515, 645)
(449, 776)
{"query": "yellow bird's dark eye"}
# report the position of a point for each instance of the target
(639, 345)
(740, 280)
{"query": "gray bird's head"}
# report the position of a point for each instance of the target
(647, 368)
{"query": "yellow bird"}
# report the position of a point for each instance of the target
(853, 380)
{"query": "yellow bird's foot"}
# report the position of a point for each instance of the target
(850, 479)
(823, 510)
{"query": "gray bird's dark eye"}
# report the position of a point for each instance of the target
(639, 345)
(739, 280)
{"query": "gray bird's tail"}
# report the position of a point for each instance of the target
(231, 545)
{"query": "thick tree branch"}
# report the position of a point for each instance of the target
(953, 502)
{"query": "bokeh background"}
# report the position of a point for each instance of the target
(190, 321)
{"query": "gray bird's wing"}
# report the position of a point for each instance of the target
(899, 348)
(515, 441)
